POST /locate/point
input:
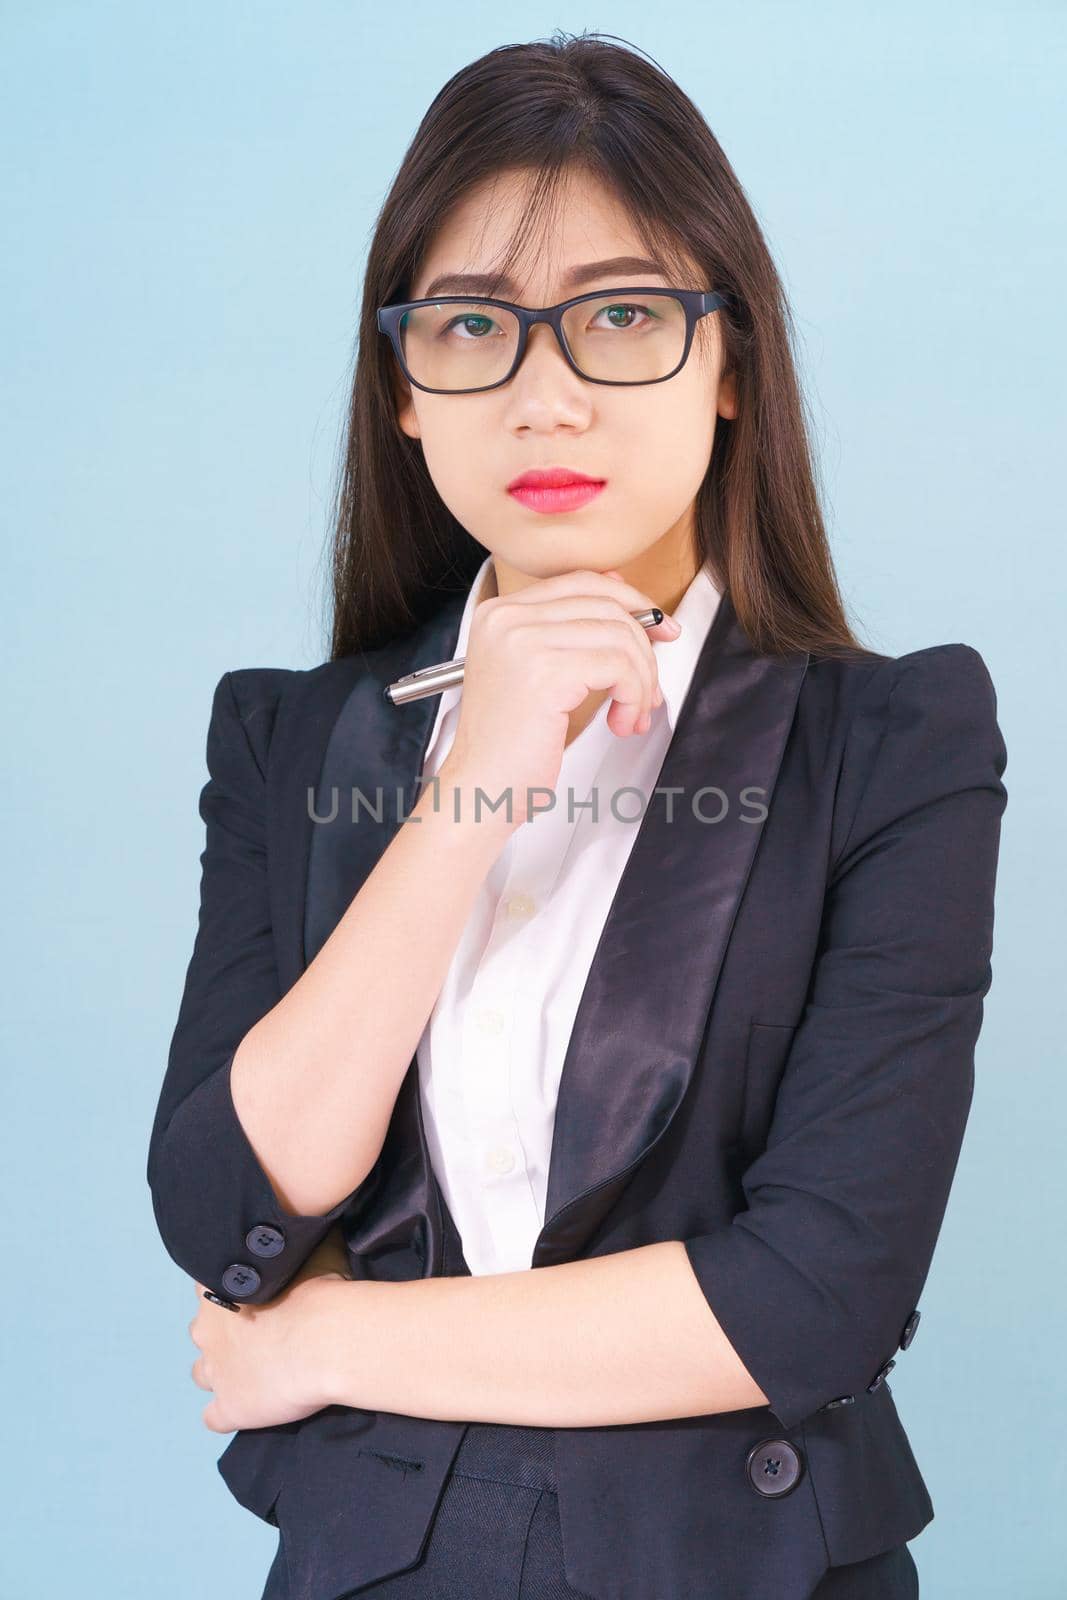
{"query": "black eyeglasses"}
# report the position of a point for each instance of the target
(459, 345)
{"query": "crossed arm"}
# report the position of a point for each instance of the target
(622, 1338)
(573, 1345)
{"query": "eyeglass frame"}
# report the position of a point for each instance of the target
(696, 303)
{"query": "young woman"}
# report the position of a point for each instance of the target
(559, 1174)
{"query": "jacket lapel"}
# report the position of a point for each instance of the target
(641, 1019)
(640, 1022)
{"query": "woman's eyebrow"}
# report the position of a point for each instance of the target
(485, 283)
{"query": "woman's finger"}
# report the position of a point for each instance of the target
(214, 1417)
(615, 639)
(582, 582)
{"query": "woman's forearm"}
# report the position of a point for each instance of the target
(315, 1081)
(620, 1338)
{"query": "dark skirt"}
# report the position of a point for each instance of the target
(496, 1535)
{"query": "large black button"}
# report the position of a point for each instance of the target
(909, 1329)
(263, 1240)
(240, 1280)
(774, 1466)
(842, 1400)
(880, 1377)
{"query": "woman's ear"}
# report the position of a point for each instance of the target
(404, 403)
(727, 401)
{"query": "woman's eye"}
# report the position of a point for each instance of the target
(622, 315)
(473, 326)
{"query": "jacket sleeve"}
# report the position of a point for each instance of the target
(814, 1282)
(216, 1211)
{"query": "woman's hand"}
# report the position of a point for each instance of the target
(266, 1364)
(532, 658)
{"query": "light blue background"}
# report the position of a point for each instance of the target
(188, 198)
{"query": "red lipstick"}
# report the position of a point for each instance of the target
(554, 489)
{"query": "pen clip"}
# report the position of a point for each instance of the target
(424, 672)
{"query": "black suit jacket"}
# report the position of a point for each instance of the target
(772, 1061)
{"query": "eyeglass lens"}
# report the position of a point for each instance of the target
(467, 345)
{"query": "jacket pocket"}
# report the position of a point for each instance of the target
(765, 1059)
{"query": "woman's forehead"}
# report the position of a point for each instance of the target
(492, 242)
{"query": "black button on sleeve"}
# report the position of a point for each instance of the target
(842, 1400)
(909, 1329)
(240, 1280)
(263, 1240)
(880, 1377)
(227, 1305)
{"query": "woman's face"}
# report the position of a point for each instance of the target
(650, 443)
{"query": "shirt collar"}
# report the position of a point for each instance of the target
(676, 659)
(482, 585)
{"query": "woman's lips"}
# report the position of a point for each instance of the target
(566, 497)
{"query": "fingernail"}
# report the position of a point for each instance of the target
(675, 627)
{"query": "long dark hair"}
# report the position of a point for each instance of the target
(582, 101)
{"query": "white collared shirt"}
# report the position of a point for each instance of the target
(492, 1052)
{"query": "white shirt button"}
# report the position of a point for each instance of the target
(499, 1160)
(521, 905)
(490, 1021)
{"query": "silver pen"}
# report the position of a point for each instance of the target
(431, 680)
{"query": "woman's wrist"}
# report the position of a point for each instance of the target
(467, 808)
(330, 1330)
